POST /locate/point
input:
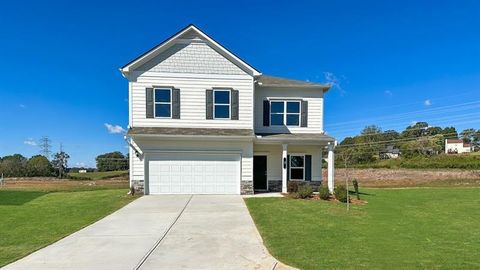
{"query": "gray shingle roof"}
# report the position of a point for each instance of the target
(189, 131)
(265, 80)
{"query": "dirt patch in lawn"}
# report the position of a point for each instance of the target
(54, 184)
(409, 177)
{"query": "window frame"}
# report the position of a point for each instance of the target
(162, 102)
(223, 104)
(285, 113)
(290, 166)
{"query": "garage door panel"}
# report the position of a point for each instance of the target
(194, 173)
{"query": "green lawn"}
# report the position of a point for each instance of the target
(32, 219)
(100, 175)
(414, 228)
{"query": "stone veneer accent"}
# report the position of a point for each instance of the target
(139, 186)
(246, 188)
(276, 185)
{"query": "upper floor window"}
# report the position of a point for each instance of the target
(285, 113)
(221, 104)
(163, 102)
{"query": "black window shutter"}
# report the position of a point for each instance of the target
(288, 167)
(308, 167)
(175, 103)
(304, 122)
(234, 104)
(266, 113)
(209, 104)
(149, 102)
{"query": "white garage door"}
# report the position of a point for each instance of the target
(194, 173)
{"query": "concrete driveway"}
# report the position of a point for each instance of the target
(162, 232)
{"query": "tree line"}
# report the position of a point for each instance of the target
(17, 165)
(419, 139)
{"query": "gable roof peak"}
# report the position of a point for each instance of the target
(150, 54)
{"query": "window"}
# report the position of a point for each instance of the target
(277, 113)
(285, 113)
(297, 167)
(221, 104)
(163, 102)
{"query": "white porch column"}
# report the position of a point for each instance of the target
(320, 154)
(284, 167)
(331, 167)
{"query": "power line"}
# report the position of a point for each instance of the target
(45, 146)
(442, 109)
(475, 120)
(395, 140)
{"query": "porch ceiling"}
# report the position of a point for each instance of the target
(303, 138)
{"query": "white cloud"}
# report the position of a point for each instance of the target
(427, 102)
(388, 93)
(114, 129)
(334, 81)
(23, 106)
(30, 141)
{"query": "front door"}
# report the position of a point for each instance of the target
(260, 172)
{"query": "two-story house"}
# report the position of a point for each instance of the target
(203, 121)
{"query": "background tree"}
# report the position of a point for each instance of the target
(419, 129)
(450, 133)
(60, 163)
(39, 166)
(433, 131)
(13, 166)
(469, 135)
(113, 161)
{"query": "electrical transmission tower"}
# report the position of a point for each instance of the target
(45, 146)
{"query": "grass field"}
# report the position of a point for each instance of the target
(100, 175)
(33, 217)
(414, 228)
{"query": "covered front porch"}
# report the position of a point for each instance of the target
(280, 158)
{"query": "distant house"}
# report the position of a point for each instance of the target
(390, 152)
(82, 171)
(457, 146)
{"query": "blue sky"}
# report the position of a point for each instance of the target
(391, 63)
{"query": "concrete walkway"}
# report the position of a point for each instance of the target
(162, 232)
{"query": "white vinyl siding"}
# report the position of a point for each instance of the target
(192, 100)
(315, 109)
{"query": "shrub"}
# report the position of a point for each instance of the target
(341, 193)
(323, 192)
(305, 191)
(292, 187)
